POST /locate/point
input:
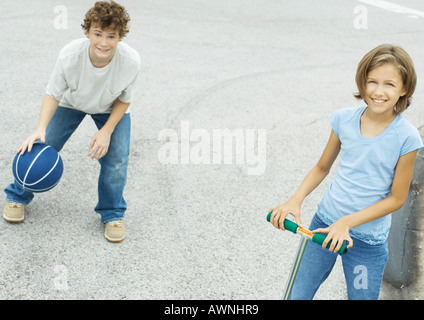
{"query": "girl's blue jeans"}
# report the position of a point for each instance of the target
(113, 172)
(363, 267)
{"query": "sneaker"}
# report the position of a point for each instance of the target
(115, 231)
(13, 212)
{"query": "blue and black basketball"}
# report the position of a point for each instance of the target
(38, 170)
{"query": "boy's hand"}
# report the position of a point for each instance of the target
(38, 134)
(280, 212)
(337, 232)
(99, 144)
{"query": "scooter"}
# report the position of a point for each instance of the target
(306, 236)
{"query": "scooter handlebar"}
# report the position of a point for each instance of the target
(316, 237)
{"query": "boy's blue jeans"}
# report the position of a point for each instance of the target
(113, 172)
(363, 267)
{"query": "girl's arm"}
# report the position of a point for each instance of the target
(339, 230)
(311, 181)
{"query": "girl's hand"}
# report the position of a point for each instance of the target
(99, 144)
(337, 233)
(280, 212)
(38, 134)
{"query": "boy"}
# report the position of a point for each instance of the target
(94, 76)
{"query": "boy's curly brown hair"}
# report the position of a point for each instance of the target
(107, 15)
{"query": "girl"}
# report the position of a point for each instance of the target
(377, 149)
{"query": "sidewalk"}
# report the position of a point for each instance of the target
(194, 231)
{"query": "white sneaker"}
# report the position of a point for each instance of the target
(13, 212)
(115, 231)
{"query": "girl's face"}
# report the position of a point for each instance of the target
(383, 89)
(103, 44)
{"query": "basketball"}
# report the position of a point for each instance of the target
(38, 170)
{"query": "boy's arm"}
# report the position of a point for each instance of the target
(311, 181)
(339, 230)
(99, 144)
(48, 108)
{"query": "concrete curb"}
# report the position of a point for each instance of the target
(404, 274)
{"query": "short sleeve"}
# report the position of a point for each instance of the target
(131, 63)
(412, 141)
(335, 122)
(127, 94)
(57, 85)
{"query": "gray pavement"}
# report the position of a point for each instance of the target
(194, 231)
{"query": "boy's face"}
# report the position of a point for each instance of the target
(383, 88)
(103, 44)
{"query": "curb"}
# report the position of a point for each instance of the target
(404, 274)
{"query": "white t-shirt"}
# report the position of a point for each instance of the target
(77, 84)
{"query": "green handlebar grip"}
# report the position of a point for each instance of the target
(319, 238)
(268, 217)
(288, 225)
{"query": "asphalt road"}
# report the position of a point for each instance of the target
(196, 228)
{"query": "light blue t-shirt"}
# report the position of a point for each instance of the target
(366, 170)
